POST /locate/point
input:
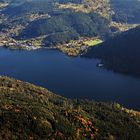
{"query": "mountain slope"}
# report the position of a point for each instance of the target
(74, 24)
(31, 112)
(121, 53)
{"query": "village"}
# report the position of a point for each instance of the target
(9, 42)
(71, 48)
(77, 47)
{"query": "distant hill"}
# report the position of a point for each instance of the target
(31, 112)
(28, 6)
(17, 8)
(121, 53)
(67, 26)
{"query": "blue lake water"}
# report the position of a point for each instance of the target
(70, 77)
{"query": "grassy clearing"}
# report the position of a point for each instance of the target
(93, 42)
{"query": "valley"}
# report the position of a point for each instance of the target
(79, 60)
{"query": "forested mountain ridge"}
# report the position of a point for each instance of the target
(120, 53)
(31, 112)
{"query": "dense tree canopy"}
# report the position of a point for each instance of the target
(31, 112)
(67, 26)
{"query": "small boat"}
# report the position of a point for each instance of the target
(100, 65)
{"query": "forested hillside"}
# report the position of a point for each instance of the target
(121, 53)
(31, 112)
(67, 26)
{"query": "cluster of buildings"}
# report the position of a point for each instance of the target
(9, 42)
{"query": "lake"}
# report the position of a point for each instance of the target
(70, 77)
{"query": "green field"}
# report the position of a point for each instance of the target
(93, 42)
